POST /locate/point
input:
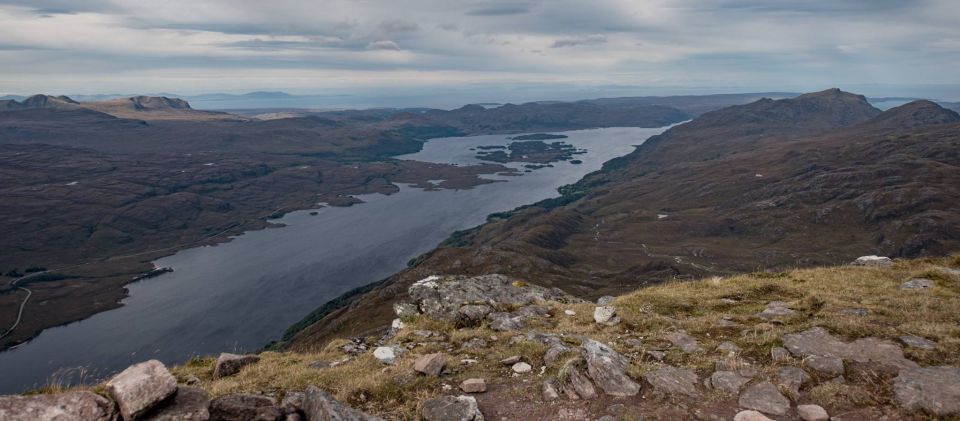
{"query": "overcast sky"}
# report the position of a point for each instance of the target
(300, 46)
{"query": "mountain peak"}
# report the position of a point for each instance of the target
(159, 103)
(916, 113)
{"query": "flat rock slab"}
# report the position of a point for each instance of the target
(230, 364)
(917, 284)
(935, 390)
(188, 404)
(673, 381)
(451, 408)
(776, 310)
(60, 406)
(244, 407)
(818, 341)
(872, 261)
(607, 368)
(766, 398)
(473, 386)
(917, 342)
(141, 387)
(728, 381)
(320, 405)
(581, 385)
(791, 379)
(829, 366)
(685, 342)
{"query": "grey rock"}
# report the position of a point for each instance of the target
(319, 364)
(451, 408)
(473, 386)
(825, 365)
(581, 384)
(608, 369)
(230, 364)
(505, 322)
(60, 406)
(750, 415)
(617, 409)
(607, 418)
(673, 381)
(776, 310)
(935, 390)
(474, 343)
(606, 300)
(431, 364)
(141, 387)
(474, 313)
(188, 404)
(319, 405)
(657, 355)
(818, 341)
(606, 315)
(685, 342)
(191, 380)
(792, 379)
(554, 352)
(779, 354)
(521, 368)
(244, 407)
(531, 311)
(550, 391)
(812, 413)
(387, 354)
(873, 261)
(728, 381)
(728, 347)
(405, 310)
(292, 402)
(917, 284)
(764, 397)
(443, 297)
(917, 342)
(511, 360)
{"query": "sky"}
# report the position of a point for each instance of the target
(483, 49)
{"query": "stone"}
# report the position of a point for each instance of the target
(818, 341)
(188, 404)
(606, 315)
(778, 354)
(553, 353)
(511, 360)
(474, 313)
(474, 343)
(521, 368)
(728, 347)
(728, 381)
(873, 261)
(319, 365)
(617, 409)
(917, 284)
(917, 342)
(871, 372)
(750, 416)
(397, 325)
(656, 355)
(550, 391)
(581, 384)
(935, 390)
(320, 405)
(292, 402)
(812, 413)
(791, 379)
(451, 408)
(60, 406)
(825, 365)
(405, 310)
(385, 355)
(608, 369)
(191, 380)
(607, 418)
(673, 381)
(431, 364)
(244, 407)
(764, 397)
(442, 298)
(570, 312)
(504, 322)
(776, 310)
(606, 300)
(473, 386)
(685, 342)
(230, 364)
(141, 387)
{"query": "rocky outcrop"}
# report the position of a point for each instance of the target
(671, 381)
(319, 405)
(935, 390)
(141, 387)
(188, 404)
(875, 261)
(244, 407)
(86, 406)
(230, 364)
(818, 341)
(608, 369)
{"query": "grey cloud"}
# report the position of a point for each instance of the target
(448, 27)
(397, 25)
(583, 40)
(501, 10)
(383, 45)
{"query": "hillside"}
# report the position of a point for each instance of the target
(155, 108)
(814, 180)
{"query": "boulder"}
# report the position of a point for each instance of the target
(320, 405)
(873, 261)
(581, 384)
(292, 402)
(917, 284)
(728, 347)
(442, 298)
(812, 413)
(764, 397)
(750, 416)
(188, 404)
(935, 390)
(230, 364)
(141, 387)
(673, 381)
(818, 341)
(60, 406)
(608, 369)
(917, 342)
(685, 342)
(521, 367)
(779, 354)
(828, 366)
(728, 381)
(473, 386)
(474, 314)
(385, 354)
(505, 322)
(244, 407)
(405, 310)
(451, 408)
(791, 379)
(606, 315)
(550, 391)
(431, 364)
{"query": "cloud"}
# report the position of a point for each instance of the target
(397, 25)
(500, 10)
(383, 45)
(582, 40)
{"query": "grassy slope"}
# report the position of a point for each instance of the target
(819, 295)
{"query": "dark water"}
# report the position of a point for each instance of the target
(240, 295)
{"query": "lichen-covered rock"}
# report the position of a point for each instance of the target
(606, 315)
(141, 387)
(818, 341)
(244, 407)
(230, 364)
(442, 298)
(685, 342)
(791, 379)
(673, 381)
(188, 404)
(917, 284)
(764, 397)
(608, 369)
(581, 384)
(935, 390)
(451, 408)
(550, 391)
(386, 354)
(728, 381)
(319, 405)
(872, 260)
(60, 406)
(776, 310)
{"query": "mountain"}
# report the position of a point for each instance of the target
(812, 180)
(41, 101)
(155, 108)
